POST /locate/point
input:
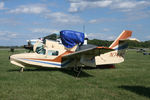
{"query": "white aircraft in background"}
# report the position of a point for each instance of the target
(56, 55)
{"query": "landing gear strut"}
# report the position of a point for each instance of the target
(78, 70)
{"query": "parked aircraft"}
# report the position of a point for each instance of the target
(69, 53)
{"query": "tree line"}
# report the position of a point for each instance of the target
(131, 43)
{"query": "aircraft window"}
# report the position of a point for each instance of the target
(40, 50)
(52, 53)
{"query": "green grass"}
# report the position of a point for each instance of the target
(128, 81)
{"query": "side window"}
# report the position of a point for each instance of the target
(52, 53)
(40, 50)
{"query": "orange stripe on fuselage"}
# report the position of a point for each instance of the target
(57, 59)
(126, 34)
(103, 48)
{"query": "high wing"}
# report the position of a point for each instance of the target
(87, 53)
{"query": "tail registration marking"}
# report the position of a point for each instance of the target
(115, 54)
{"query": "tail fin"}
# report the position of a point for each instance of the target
(124, 35)
(117, 56)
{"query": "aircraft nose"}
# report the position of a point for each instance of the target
(10, 57)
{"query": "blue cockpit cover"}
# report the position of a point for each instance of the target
(70, 38)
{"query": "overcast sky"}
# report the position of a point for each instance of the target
(21, 20)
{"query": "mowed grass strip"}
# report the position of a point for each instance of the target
(128, 81)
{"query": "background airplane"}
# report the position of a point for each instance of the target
(53, 36)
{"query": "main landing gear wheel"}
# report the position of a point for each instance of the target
(21, 69)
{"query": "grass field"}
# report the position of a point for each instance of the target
(128, 81)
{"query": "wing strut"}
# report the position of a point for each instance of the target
(78, 70)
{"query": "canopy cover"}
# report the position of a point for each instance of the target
(70, 38)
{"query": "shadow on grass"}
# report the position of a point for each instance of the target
(99, 67)
(34, 69)
(140, 90)
(74, 74)
(66, 71)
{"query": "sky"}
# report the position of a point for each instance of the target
(21, 20)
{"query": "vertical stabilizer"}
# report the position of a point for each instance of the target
(124, 35)
(117, 56)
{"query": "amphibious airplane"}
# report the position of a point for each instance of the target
(69, 55)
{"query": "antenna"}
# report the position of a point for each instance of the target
(85, 38)
(83, 28)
